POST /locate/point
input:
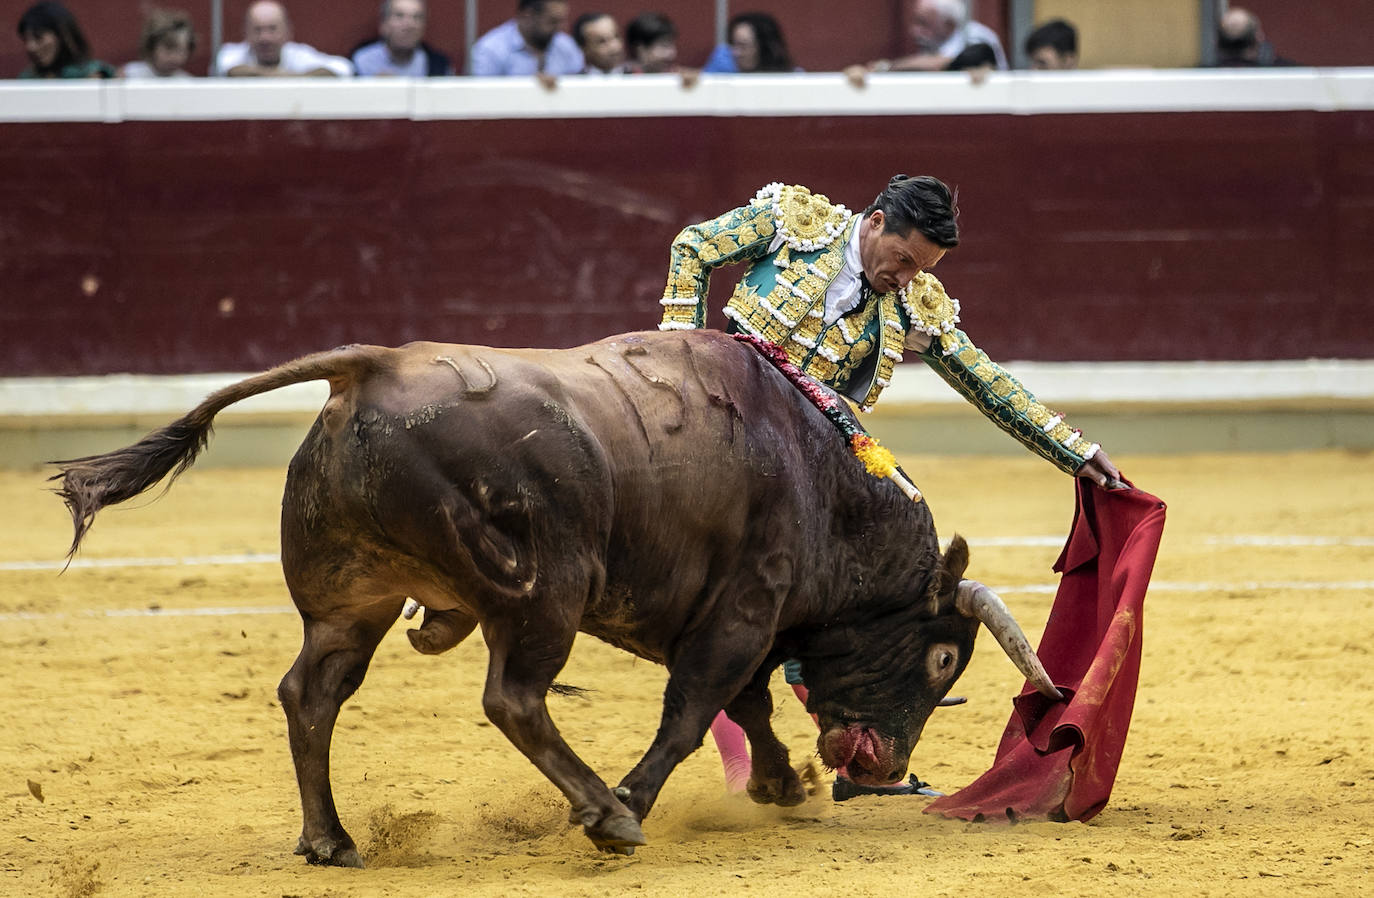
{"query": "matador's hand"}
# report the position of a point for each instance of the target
(1102, 471)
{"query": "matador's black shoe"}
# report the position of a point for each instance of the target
(844, 789)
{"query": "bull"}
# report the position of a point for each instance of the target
(672, 494)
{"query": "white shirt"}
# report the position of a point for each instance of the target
(140, 69)
(297, 59)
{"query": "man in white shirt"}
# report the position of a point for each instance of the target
(941, 30)
(268, 50)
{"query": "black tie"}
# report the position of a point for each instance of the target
(865, 295)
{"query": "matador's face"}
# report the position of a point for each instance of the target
(890, 260)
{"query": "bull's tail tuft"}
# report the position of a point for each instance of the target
(89, 484)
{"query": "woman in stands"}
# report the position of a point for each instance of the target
(55, 45)
(756, 45)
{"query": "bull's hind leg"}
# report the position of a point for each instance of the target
(527, 652)
(330, 668)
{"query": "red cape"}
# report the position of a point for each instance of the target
(1058, 760)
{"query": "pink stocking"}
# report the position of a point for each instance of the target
(801, 693)
(734, 751)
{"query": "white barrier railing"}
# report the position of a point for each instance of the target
(801, 94)
(1063, 383)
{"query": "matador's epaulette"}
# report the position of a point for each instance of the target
(806, 221)
(931, 310)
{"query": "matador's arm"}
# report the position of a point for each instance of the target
(1006, 402)
(743, 233)
(989, 386)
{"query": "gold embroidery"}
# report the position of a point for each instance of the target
(807, 221)
(724, 244)
(932, 311)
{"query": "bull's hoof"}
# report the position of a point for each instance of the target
(787, 792)
(617, 835)
(327, 852)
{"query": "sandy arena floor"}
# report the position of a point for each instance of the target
(139, 701)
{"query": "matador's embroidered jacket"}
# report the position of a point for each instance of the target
(795, 242)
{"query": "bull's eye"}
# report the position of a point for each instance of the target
(941, 660)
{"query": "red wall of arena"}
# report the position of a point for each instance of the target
(1328, 33)
(169, 247)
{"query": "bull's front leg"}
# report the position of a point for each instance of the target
(702, 680)
(771, 778)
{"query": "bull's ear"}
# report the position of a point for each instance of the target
(953, 567)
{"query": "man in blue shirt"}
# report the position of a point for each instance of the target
(532, 43)
(401, 49)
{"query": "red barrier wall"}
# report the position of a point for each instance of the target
(168, 247)
(1325, 33)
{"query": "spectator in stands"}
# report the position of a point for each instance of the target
(598, 37)
(166, 45)
(651, 43)
(756, 45)
(401, 49)
(532, 43)
(1241, 42)
(55, 45)
(1053, 46)
(941, 29)
(268, 50)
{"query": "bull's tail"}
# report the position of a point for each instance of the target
(91, 483)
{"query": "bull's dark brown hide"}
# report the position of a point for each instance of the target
(670, 493)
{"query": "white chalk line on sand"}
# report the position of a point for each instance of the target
(149, 612)
(187, 561)
(1301, 542)
(1009, 541)
(988, 542)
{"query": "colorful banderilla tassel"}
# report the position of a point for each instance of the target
(877, 460)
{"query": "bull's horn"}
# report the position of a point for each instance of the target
(975, 600)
